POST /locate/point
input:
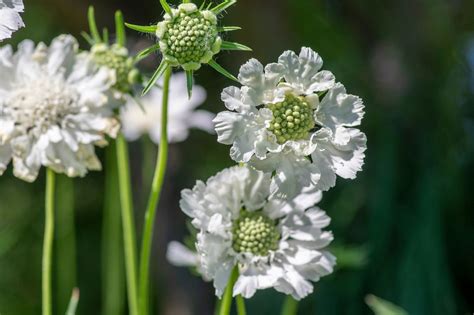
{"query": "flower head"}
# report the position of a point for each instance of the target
(138, 120)
(10, 19)
(52, 109)
(292, 118)
(273, 242)
(188, 37)
(115, 57)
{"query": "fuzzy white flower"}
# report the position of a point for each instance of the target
(137, 121)
(291, 118)
(272, 241)
(52, 109)
(10, 19)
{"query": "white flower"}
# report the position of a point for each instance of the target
(181, 114)
(52, 109)
(272, 241)
(10, 19)
(293, 119)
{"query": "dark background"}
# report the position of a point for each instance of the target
(404, 229)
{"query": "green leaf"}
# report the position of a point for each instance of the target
(93, 26)
(234, 46)
(228, 28)
(158, 73)
(71, 310)
(147, 51)
(224, 5)
(166, 6)
(221, 70)
(142, 28)
(202, 5)
(105, 35)
(186, 1)
(88, 38)
(120, 28)
(382, 307)
(189, 82)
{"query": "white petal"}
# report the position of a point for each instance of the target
(10, 20)
(302, 72)
(338, 108)
(257, 190)
(5, 157)
(181, 256)
(228, 126)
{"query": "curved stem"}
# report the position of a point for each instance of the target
(226, 302)
(48, 242)
(128, 224)
(153, 200)
(290, 307)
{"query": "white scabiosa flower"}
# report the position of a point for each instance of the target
(10, 19)
(273, 242)
(292, 118)
(52, 109)
(182, 115)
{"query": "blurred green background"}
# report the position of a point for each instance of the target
(404, 229)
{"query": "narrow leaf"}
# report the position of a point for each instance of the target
(224, 5)
(189, 82)
(147, 51)
(202, 5)
(221, 70)
(186, 1)
(228, 28)
(92, 25)
(158, 73)
(88, 38)
(105, 35)
(382, 307)
(234, 46)
(71, 310)
(120, 28)
(166, 6)
(141, 28)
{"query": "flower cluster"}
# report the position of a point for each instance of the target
(188, 37)
(292, 118)
(291, 127)
(53, 109)
(10, 19)
(274, 242)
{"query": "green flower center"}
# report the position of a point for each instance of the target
(189, 37)
(117, 58)
(292, 119)
(254, 232)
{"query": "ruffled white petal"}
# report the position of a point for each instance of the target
(10, 19)
(302, 72)
(338, 109)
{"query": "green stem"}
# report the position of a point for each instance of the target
(226, 302)
(240, 305)
(113, 280)
(128, 224)
(290, 306)
(65, 241)
(48, 242)
(153, 200)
